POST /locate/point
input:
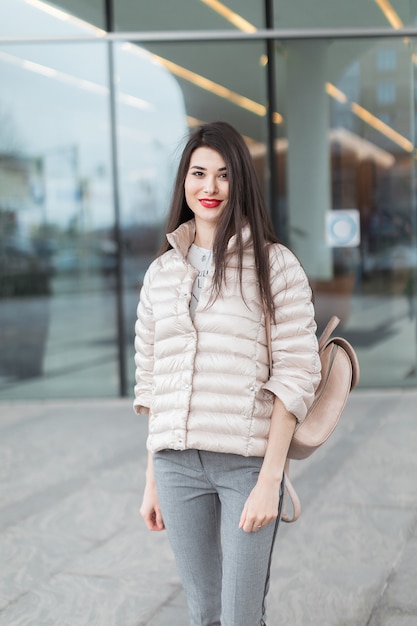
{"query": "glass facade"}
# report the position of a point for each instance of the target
(358, 95)
(91, 128)
(355, 14)
(186, 15)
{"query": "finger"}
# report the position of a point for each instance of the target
(156, 528)
(242, 520)
(249, 526)
(149, 517)
(149, 522)
(159, 520)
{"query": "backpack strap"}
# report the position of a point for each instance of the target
(333, 322)
(289, 491)
(331, 325)
(290, 494)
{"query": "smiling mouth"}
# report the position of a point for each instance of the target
(209, 203)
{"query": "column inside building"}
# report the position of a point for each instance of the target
(308, 157)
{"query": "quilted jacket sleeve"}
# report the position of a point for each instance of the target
(296, 363)
(144, 349)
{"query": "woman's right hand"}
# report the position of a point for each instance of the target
(150, 510)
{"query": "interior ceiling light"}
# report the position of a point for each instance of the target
(193, 122)
(64, 16)
(386, 130)
(75, 81)
(212, 87)
(392, 16)
(335, 93)
(201, 81)
(232, 17)
(250, 105)
(390, 13)
(370, 119)
(395, 21)
(361, 147)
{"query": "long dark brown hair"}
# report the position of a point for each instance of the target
(245, 205)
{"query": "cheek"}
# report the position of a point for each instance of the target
(190, 187)
(225, 190)
(189, 196)
(187, 193)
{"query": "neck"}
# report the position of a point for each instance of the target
(204, 238)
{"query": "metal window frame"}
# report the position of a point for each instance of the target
(223, 35)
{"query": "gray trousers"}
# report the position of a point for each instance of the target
(224, 570)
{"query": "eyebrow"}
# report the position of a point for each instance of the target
(199, 167)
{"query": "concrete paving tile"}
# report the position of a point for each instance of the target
(126, 477)
(393, 618)
(73, 600)
(173, 613)
(28, 555)
(401, 591)
(35, 543)
(13, 414)
(379, 468)
(91, 514)
(59, 448)
(330, 572)
(135, 553)
(76, 551)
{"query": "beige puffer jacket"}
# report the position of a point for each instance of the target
(206, 382)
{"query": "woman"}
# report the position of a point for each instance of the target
(219, 424)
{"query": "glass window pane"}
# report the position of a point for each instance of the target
(353, 224)
(352, 14)
(188, 15)
(387, 59)
(386, 93)
(210, 86)
(37, 18)
(181, 86)
(58, 332)
(151, 127)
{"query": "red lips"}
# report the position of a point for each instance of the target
(209, 203)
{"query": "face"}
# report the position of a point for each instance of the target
(206, 186)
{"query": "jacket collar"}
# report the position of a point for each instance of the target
(182, 238)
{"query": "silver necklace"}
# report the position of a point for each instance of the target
(205, 254)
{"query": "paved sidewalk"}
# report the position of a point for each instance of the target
(74, 551)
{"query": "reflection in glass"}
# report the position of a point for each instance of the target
(183, 85)
(182, 15)
(40, 18)
(58, 327)
(344, 142)
(151, 129)
(356, 14)
(370, 147)
(211, 87)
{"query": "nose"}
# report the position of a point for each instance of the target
(210, 185)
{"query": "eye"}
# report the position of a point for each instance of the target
(223, 175)
(197, 174)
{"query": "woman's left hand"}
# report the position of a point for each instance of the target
(261, 507)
